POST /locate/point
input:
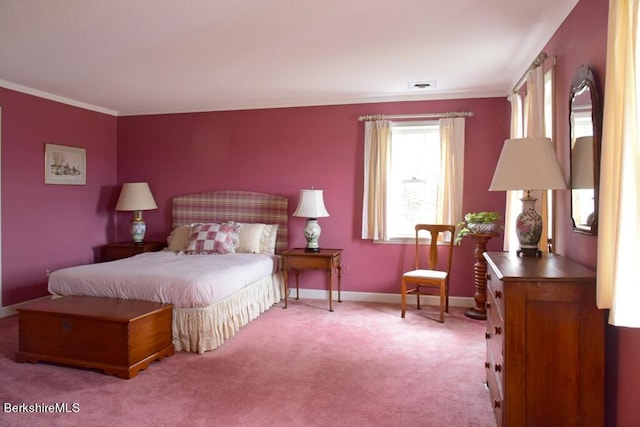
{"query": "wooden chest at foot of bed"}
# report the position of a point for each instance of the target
(118, 337)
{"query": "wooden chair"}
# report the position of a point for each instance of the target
(432, 277)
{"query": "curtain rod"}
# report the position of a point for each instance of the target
(370, 117)
(540, 59)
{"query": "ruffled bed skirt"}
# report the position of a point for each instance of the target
(203, 329)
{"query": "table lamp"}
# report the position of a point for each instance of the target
(528, 164)
(136, 197)
(311, 206)
(582, 163)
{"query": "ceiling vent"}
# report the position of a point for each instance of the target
(423, 85)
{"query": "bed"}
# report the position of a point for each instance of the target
(221, 268)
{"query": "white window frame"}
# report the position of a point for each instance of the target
(396, 237)
(549, 114)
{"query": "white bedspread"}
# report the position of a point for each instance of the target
(182, 280)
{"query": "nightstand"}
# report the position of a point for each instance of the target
(114, 251)
(325, 259)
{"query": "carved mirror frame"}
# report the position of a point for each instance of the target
(585, 130)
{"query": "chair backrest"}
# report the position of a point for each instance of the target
(435, 230)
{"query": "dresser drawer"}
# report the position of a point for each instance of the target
(494, 383)
(495, 326)
(495, 289)
(495, 360)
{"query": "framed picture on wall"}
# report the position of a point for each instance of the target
(65, 165)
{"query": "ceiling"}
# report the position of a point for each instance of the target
(126, 57)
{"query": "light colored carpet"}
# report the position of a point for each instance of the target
(361, 365)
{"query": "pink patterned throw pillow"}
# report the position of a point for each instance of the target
(214, 239)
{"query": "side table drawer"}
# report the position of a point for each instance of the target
(114, 251)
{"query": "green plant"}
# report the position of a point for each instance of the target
(474, 218)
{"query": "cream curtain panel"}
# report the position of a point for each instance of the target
(377, 158)
(534, 104)
(618, 285)
(534, 126)
(452, 167)
(514, 205)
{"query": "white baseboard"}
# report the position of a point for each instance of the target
(10, 310)
(311, 294)
(377, 297)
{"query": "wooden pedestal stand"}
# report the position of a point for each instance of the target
(479, 312)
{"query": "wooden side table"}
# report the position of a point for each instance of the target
(479, 312)
(326, 259)
(114, 251)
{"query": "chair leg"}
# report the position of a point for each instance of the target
(447, 297)
(442, 302)
(418, 297)
(403, 296)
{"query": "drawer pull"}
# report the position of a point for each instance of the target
(497, 404)
(487, 365)
(488, 276)
(487, 335)
(67, 324)
(498, 367)
(487, 305)
(498, 293)
(498, 330)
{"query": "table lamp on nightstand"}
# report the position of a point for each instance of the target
(136, 197)
(311, 206)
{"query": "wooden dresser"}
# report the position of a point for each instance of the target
(545, 342)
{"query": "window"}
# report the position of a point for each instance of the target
(414, 177)
(549, 114)
(413, 172)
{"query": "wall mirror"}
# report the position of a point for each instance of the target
(585, 124)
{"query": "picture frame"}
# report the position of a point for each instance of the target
(65, 165)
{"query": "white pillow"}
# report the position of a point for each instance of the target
(178, 239)
(258, 238)
(268, 241)
(250, 238)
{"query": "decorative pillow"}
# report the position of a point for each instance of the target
(178, 239)
(250, 238)
(268, 240)
(214, 238)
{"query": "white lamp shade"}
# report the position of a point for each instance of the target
(136, 196)
(582, 163)
(528, 164)
(311, 204)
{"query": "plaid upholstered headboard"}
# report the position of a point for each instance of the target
(239, 206)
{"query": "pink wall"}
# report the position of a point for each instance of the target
(45, 227)
(582, 39)
(276, 150)
(284, 150)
